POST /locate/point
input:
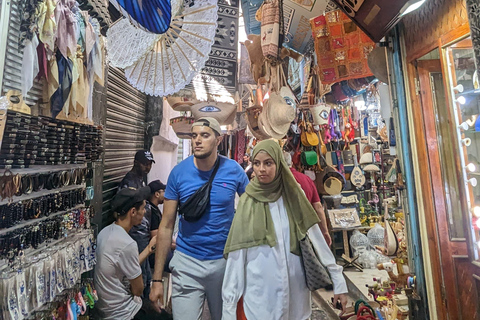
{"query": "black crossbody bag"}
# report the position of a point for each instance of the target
(194, 208)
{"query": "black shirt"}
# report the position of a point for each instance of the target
(155, 214)
(132, 180)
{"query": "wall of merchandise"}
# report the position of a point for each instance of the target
(47, 241)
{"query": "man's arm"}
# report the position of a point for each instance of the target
(323, 222)
(147, 251)
(136, 286)
(164, 241)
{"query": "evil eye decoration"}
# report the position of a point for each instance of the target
(210, 108)
(324, 114)
(290, 102)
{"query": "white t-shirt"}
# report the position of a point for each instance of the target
(117, 263)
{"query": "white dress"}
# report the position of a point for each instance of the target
(271, 279)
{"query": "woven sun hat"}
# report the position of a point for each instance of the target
(224, 113)
(253, 114)
(277, 116)
(333, 186)
(182, 126)
(181, 103)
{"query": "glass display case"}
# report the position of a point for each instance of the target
(463, 83)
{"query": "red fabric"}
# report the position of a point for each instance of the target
(307, 185)
(240, 312)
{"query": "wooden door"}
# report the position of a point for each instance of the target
(458, 296)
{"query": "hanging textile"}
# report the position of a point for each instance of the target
(66, 28)
(272, 29)
(42, 61)
(341, 47)
(240, 145)
(61, 95)
(47, 27)
(30, 65)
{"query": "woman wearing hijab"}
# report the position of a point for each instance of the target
(264, 267)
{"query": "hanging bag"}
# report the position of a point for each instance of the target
(196, 205)
(316, 275)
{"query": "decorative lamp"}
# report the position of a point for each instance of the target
(376, 236)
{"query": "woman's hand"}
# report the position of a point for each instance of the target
(342, 298)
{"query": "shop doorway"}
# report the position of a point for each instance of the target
(446, 218)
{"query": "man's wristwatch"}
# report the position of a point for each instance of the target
(156, 280)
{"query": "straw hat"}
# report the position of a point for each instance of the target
(333, 186)
(182, 126)
(252, 122)
(224, 113)
(181, 103)
(377, 62)
(277, 116)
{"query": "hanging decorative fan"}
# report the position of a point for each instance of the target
(150, 15)
(127, 43)
(177, 55)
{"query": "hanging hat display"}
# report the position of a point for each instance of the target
(224, 113)
(182, 126)
(181, 103)
(253, 123)
(277, 116)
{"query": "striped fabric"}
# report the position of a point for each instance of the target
(151, 15)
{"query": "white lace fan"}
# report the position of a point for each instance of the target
(179, 53)
(128, 43)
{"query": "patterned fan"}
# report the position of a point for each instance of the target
(179, 53)
(151, 15)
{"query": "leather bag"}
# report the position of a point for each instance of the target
(309, 136)
(316, 275)
(309, 158)
(196, 205)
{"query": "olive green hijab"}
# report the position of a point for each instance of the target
(253, 225)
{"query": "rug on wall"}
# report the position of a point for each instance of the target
(218, 79)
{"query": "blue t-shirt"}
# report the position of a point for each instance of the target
(205, 239)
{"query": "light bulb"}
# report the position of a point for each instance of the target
(471, 167)
(360, 105)
(459, 88)
(461, 100)
(476, 211)
(473, 182)
(466, 142)
(410, 6)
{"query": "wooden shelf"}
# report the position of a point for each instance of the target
(25, 223)
(45, 169)
(41, 193)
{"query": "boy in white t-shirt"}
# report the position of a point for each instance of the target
(118, 276)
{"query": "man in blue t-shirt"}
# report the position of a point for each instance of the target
(198, 265)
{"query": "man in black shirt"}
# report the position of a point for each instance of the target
(137, 177)
(157, 197)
